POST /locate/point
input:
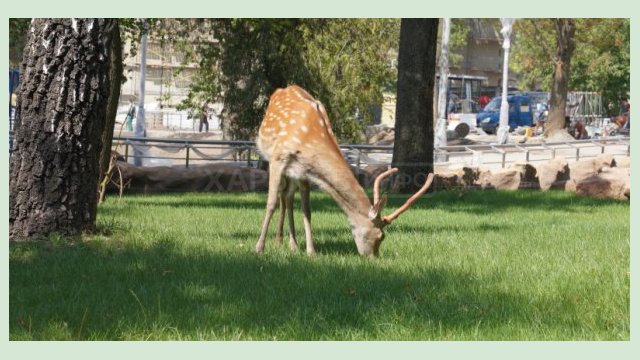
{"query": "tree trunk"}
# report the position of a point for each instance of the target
(54, 167)
(413, 146)
(565, 30)
(115, 79)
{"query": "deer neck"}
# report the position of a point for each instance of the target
(338, 180)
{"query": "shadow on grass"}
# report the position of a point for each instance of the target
(110, 292)
(475, 202)
(339, 241)
(484, 202)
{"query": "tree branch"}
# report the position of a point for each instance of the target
(542, 41)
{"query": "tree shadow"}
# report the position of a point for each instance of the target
(475, 202)
(116, 291)
(226, 201)
(339, 241)
(482, 202)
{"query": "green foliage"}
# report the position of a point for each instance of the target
(132, 28)
(532, 53)
(457, 266)
(601, 60)
(18, 28)
(130, 31)
(602, 63)
(457, 40)
(349, 61)
(345, 63)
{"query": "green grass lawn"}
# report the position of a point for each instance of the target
(458, 266)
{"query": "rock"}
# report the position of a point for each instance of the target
(528, 176)
(605, 160)
(518, 176)
(505, 180)
(380, 135)
(117, 155)
(470, 176)
(462, 178)
(373, 130)
(484, 179)
(585, 168)
(447, 180)
(553, 174)
(610, 183)
(386, 139)
(460, 131)
(208, 178)
(367, 175)
(375, 170)
(623, 162)
(534, 140)
(559, 136)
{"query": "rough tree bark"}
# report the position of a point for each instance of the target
(53, 171)
(565, 45)
(413, 146)
(115, 79)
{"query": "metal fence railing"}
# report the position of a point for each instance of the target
(188, 152)
(586, 107)
(500, 156)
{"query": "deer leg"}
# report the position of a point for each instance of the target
(275, 177)
(293, 244)
(283, 209)
(306, 212)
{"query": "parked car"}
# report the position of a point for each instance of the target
(520, 113)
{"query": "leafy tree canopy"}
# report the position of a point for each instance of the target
(17, 39)
(345, 63)
(601, 60)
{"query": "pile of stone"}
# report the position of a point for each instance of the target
(600, 177)
(380, 135)
(384, 135)
(207, 178)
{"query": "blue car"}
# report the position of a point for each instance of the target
(520, 113)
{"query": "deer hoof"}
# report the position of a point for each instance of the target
(293, 246)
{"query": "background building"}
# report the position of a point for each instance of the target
(482, 56)
(165, 86)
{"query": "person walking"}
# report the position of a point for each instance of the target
(204, 119)
(131, 114)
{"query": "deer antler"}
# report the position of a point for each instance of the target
(376, 184)
(410, 201)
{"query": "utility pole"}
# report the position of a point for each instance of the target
(503, 128)
(441, 125)
(140, 130)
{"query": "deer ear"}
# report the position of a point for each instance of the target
(376, 209)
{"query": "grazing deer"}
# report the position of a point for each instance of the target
(296, 137)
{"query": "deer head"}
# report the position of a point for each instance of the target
(296, 137)
(369, 238)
